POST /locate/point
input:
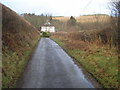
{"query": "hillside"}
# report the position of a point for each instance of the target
(93, 18)
(19, 38)
(35, 20)
(88, 22)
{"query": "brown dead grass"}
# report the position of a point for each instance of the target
(16, 30)
(80, 45)
(84, 40)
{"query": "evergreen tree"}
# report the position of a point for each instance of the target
(50, 18)
(72, 21)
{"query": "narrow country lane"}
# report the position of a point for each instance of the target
(51, 67)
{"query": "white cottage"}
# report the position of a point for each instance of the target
(47, 27)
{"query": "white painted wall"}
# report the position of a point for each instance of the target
(48, 28)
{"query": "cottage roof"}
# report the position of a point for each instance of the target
(48, 24)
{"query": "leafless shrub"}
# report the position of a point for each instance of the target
(115, 23)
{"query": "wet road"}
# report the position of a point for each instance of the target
(51, 67)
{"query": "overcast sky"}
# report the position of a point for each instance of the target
(58, 7)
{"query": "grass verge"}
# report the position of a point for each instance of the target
(100, 62)
(14, 64)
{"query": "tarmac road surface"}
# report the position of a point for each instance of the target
(51, 67)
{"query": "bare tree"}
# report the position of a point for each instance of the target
(115, 11)
(115, 7)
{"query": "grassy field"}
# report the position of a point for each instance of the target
(19, 39)
(61, 18)
(93, 18)
(86, 18)
(99, 61)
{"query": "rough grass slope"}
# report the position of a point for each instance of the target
(19, 38)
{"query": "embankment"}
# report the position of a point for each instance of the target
(19, 38)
